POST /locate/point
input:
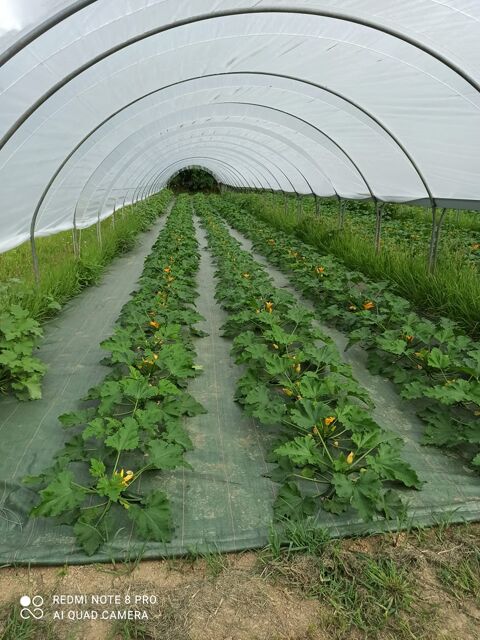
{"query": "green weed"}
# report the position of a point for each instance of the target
(13, 627)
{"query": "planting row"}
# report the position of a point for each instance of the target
(329, 450)
(453, 291)
(24, 306)
(432, 362)
(132, 425)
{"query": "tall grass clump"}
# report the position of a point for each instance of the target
(62, 274)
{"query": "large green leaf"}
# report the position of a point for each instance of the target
(126, 438)
(59, 496)
(388, 464)
(153, 520)
(301, 451)
(88, 536)
(437, 359)
(362, 492)
(166, 455)
(262, 405)
(291, 504)
(176, 434)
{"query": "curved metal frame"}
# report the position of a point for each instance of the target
(270, 187)
(238, 176)
(42, 28)
(141, 187)
(100, 125)
(141, 152)
(231, 152)
(207, 123)
(292, 115)
(225, 14)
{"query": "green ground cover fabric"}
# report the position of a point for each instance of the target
(225, 502)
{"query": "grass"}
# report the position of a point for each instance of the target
(362, 591)
(13, 627)
(62, 274)
(377, 590)
(452, 291)
(461, 574)
(131, 630)
(420, 584)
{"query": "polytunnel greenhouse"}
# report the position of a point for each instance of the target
(240, 311)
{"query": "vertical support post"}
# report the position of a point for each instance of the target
(378, 225)
(99, 231)
(113, 214)
(341, 212)
(76, 242)
(36, 269)
(432, 239)
(317, 205)
(285, 203)
(299, 205)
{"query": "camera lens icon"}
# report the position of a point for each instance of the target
(35, 612)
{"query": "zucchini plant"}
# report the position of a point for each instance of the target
(20, 371)
(132, 424)
(433, 362)
(330, 452)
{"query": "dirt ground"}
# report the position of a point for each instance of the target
(425, 585)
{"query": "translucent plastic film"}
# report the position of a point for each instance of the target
(103, 100)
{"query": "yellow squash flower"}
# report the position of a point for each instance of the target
(154, 324)
(350, 457)
(287, 392)
(269, 307)
(368, 305)
(328, 421)
(125, 478)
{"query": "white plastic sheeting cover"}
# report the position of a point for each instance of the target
(102, 101)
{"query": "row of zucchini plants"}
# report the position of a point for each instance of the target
(132, 423)
(433, 362)
(329, 451)
(21, 371)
